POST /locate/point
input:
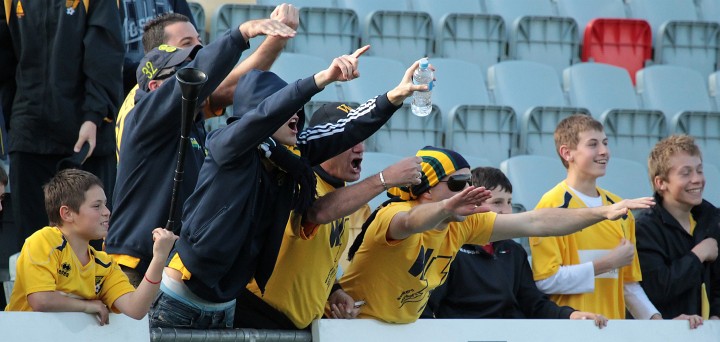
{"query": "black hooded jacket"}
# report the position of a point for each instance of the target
(672, 275)
(233, 223)
(499, 285)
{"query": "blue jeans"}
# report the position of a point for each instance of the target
(170, 312)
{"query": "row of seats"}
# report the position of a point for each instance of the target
(626, 178)
(515, 108)
(487, 32)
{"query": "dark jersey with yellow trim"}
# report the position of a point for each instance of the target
(69, 60)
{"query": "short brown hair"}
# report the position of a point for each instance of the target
(568, 132)
(68, 188)
(659, 159)
(154, 30)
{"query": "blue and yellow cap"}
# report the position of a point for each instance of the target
(436, 164)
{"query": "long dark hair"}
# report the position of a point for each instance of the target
(359, 238)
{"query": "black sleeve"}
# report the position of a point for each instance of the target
(9, 65)
(322, 142)
(663, 279)
(534, 303)
(437, 297)
(102, 62)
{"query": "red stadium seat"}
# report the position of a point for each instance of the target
(626, 43)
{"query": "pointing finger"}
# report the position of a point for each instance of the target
(359, 52)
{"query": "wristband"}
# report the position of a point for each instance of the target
(382, 181)
(150, 281)
(335, 287)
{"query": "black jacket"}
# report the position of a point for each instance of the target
(501, 285)
(233, 223)
(148, 157)
(671, 274)
(69, 62)
(134, 15)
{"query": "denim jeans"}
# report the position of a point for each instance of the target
(169, 312)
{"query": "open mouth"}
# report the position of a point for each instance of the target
(292, 124)
(355, 163)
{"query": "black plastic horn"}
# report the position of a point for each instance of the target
(191, 82)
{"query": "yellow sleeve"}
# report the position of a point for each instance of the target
(38, 264)
(478, 228)
(377, 231)
(547, 252)
(115, 285)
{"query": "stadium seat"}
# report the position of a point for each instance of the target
(626, 178)
(705, 128)
(554, 41)
(463, 32)
(531, 177)
(583, 11)
(373, 163)
(300, 3)
(709, 10)
(512, 10)
(658, 12)
(230, 16)
(533, 91)
(327, 32)
(473, 126)
(292, 67)
(712, 182)
(608, 93)
(377, 76)
(198, 14)
(478, 162)
(626, 43)
(672, 89)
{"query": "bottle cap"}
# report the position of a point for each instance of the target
(424, 63)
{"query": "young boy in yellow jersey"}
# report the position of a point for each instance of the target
(595, 269)
(58, 271)
(407, 246)
(304, 275)
(677, 239)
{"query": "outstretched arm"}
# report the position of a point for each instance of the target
(431, 215)
(559, 221)
(262, 59)
(345, 201)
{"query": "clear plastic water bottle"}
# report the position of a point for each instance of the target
(421, 104)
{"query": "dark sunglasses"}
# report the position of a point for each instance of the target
(457, 182)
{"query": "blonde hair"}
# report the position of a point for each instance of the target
(568, 132)
(659, 159)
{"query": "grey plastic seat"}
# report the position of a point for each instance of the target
(393, 30)
(230, 16)
(462, 31)
(198, 14)
(712, 182)
(292, 67)
(478, 161)
(532, 176)
(300, 3)
(533, 91)
(327, 32)
(473, 125)
(404, 133)
(714, 83)
(682, 94)
(372, 164)
(626, 178)
(585, 10)
(709, 10)
(512, 10)
(608, 93)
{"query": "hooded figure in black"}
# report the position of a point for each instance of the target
(234, 221)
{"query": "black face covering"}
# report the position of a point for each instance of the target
(298, 168)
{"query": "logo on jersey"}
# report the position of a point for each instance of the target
(19, 12)
(336, 231)
(71, 6)
(420, 268)
(64, 270)
(345, 108)
(98, 284)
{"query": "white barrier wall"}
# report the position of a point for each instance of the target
(512, 330)
(70, 326)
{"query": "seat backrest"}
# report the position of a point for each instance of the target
(704, 127)
(198, 13)
(300, 3)
(478, 162)
(511, 10)
(585, 10)
(377, 76)
(485, 131)
(327, 32)
(692, 44)
(230, 16)
(712, 183)
(554, 41)
(626, 178)
(714, 80)
(364, 8)
(459, 82)
(657, 12)
(523, 172)
(292, 67)
(524, 84)
(672, 89)
(599, 87)
(709, 10)
(632, 133)
(626, 43)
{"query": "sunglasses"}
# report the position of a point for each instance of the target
(457, 182)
